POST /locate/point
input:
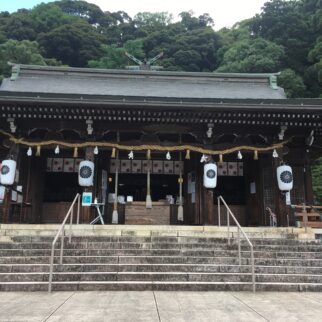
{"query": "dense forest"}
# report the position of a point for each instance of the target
(285, 36)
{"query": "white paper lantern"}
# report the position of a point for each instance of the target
(86, 173)
(8, 172)
(285, 178)
(210, 175)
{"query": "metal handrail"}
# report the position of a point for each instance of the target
(61, 231)
(240, 229)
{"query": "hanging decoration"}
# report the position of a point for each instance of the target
(75, 155)
(86, 173)
(239, 156)
(221, 158)
(255, 155)
(8, 172)
(146, 147)
(275, 154)
(131, 155)
(113, 153)
(95, 151)
(284, 177)
(203, 158)
(210, 175)
(57, 149)
(38, 151)
(29, 152)
(168, 156)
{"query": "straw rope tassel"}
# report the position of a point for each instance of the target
(75, 153)
(113, 153)
(38, 151)
(180, 208)
(256, 155)
(187, 155)
(148, 201)
(115, 215)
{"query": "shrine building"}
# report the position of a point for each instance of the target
(154, 142)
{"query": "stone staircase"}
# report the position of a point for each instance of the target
(193, 262)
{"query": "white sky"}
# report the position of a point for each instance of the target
(224, 12)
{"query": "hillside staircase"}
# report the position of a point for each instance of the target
(159, 258)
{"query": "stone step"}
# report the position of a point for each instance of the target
(162, 260)
(159, 286)
(159, 252)
(127, 245)
(29, 268)
(165, 239)
(160, 268)
(163, 276)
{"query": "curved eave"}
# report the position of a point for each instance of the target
(314, 105)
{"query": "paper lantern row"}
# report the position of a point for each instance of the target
(63, 164)
(141, 166)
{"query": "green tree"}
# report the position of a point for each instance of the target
(152, 21)
(20, 26)
(81, 9)
(73, 45)
(252, 56)
(47, 17)
(292, 83)
(317, 181)
(114, 57)
(315, 57)
(21, 52)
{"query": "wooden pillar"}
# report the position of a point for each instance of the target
(14, 155)
(87, 211)
(253, 183)
(308, 184)
(36, 187)
(6, 206)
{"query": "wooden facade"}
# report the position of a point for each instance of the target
(166, 109)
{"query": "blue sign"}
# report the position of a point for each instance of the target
(87, 199)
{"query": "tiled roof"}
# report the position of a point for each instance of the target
(86, 81)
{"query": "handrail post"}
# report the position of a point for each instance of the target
(218, 200)
(78, 208)
(61, 231)
(228, 232)
(239, 230)
(62, 246)
(70, 225)
(51, 268)
(239, 251)
(253, 268)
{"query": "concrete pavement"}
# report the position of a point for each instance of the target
(159, 306)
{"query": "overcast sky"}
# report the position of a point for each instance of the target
(224, 12)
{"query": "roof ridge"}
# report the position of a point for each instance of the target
(101, 71)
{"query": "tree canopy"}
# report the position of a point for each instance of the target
(286, 37)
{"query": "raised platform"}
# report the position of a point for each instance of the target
(157, 230)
